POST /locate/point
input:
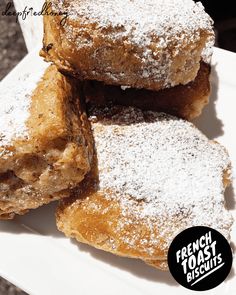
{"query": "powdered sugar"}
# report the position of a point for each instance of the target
(161, 169)
(160, 29)
(144, 17)
(15, 99)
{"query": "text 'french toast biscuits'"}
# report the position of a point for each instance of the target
(45, 143)
(136, 43)
(153, 176)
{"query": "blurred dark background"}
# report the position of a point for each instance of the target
(224, 15)
(12, 50)
(219, 9)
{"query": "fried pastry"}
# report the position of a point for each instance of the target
(184, 101)
(141, 44)
(153, 176)
(45, 144)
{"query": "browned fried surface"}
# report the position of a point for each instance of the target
(90, 218)
(56, 155)
(94, 220)
(185, 101)
(84, 48)
(113, 220)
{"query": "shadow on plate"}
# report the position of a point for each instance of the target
(38, 221)
(230, 197)
(208, 122)
(232, 273)
(42, 222)
(134, 266)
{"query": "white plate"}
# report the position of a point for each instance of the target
(40, 260)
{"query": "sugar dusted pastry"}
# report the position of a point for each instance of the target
(153, 176)
(184, 101)
(45, 145)
(136, 43)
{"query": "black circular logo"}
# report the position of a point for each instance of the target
(200, 258)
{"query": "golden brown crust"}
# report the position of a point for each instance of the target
(87, 49)
(94, 219)
(91, 218)
(74, 219)
(184, 101)
(108, 216)
(56, 154)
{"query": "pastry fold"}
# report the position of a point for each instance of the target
(45, 141)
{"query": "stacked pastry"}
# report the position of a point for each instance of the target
(94, 129)
(151, 54)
